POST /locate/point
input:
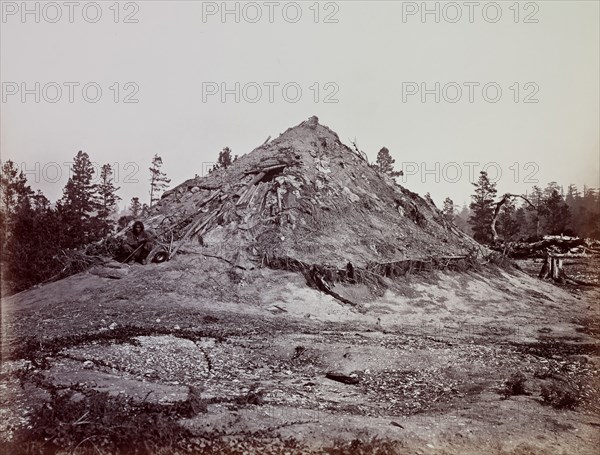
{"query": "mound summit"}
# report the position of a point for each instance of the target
(304, 196)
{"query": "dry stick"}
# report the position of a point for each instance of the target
(221, 258)
(248, 195)
(199, 224)
(134, 251)
(185, 237)
(243, 194)
(57, 276)
(81, 442)
(264, 170)
(183, 220)
(170, 228)
(208, 199)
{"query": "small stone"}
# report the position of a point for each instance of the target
(88, 364)
(77, 397)
(113, 326)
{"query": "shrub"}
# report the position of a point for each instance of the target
(560, 395)
(515, 385)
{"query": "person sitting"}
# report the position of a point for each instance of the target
(138, 244)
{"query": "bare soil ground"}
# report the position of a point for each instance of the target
(190, 357)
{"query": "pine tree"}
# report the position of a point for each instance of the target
(385, 163)
(508, 228)
(534, 215)
(448, 210)
(13, 187)
(40, 202)
(589, 213)
(572, 196)
(124, 221)
(556, 213)
(32, 246)
(482, 208)
(136, 207)
(33, 236)
(521, 222)
(551, 188)
(462, 219)
(158, 180)
(79, 204)
(108, 197)
(15, 198)
(224, 160)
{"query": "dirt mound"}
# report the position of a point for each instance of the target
(307, 197)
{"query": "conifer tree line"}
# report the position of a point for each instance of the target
(548, 211)
(33, 231)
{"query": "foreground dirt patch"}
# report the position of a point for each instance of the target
(488, 362)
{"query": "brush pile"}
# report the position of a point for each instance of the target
(307, 197)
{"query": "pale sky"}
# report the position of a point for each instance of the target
(369, 56)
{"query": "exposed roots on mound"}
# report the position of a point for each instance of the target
(323, 277)
(320, 277)
(408, 266)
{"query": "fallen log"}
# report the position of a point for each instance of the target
(343, 378)
(267, 169)
(572, 280)
(541, 248)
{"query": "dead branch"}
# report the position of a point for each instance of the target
(499, 205)
(362, 155)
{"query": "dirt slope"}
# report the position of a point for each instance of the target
(225, 362)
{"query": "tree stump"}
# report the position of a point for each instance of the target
(553, 268)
